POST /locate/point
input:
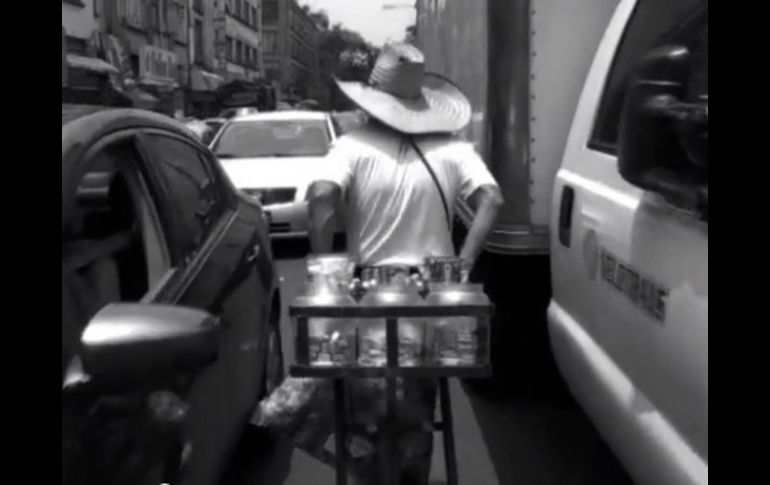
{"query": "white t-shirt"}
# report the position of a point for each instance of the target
(393, 211)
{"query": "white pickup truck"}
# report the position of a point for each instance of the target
(593, 116)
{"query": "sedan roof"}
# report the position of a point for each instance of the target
(283, 115)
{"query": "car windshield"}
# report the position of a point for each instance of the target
(273, 138)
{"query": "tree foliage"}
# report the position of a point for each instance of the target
(344, 54)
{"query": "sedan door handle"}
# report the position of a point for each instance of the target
(253, 254)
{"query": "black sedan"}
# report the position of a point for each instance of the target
(170, 303)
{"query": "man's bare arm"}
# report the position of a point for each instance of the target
(486, 202)
(323, 203)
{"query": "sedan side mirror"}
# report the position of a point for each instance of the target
(663, 143)
(128, 340)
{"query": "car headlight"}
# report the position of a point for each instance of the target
(255, 194)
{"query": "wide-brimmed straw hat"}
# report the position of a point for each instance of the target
(403, 96)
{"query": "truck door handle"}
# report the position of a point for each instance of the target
(565, 215)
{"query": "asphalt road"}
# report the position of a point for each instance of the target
(503, 437)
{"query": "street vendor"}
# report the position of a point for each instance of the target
(394, 182)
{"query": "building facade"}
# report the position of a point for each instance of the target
(154, 41)
(241, 48)
(80, 18)
(290, 41)
(161, 52)
(85, 77)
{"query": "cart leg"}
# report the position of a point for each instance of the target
(392, 472)
(448, 431)
(340, 424)
(392, 466)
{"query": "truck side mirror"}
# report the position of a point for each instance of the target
(663, 142)
(129, 340)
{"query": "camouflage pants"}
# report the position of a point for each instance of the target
(303, 409)
(416, 401)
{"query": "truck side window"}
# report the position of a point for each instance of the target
(650, 20)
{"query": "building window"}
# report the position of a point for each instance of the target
(254, 17)
(165, 25)
(133, 13)
(270, 42)
(179, 21)
(242, 12)
(198, 5)
(230, 49)
(269, 12)
(153, 20)
(239, 52)
(273, 74)
(76, 45)
(198, 41)
(97, 8)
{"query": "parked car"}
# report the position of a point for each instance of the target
(206, 129)
(214, 125)
(347, 121)
(273, 157)
(198, 127)
(170, 303)
(629, 314)
(230, 113)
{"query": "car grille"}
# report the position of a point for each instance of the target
(272, 196)
(280, 227)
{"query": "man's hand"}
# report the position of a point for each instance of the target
(324, 199)
(486, 202)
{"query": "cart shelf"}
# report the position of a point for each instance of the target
(431, 371)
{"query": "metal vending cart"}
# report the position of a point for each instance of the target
(450, 315)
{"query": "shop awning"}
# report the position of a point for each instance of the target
(205, 81)
(156, 84)
(90, 64)
(138, 98)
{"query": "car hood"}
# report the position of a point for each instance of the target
(272, 172)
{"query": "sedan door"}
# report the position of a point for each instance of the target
(221, 242)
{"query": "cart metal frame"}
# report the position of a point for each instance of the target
(391, 371)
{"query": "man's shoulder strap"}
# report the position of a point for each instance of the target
(435, 181)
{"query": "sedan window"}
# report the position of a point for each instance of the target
(273, 138)
(115, 248)
(191, 187)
